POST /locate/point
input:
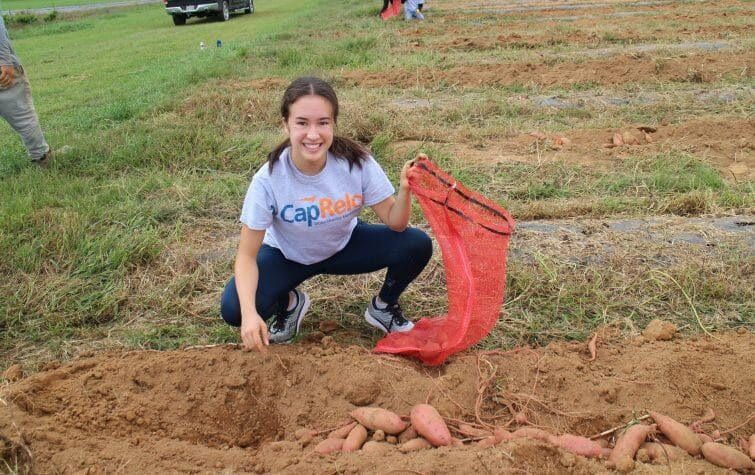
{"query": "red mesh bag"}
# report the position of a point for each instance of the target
(393, 9)
(473, 233)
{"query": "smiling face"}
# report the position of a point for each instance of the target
(310, 126)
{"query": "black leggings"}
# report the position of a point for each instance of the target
(372, 247)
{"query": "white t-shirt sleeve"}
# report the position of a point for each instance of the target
(259, 205)
(375, 184)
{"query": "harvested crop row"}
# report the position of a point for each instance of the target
(378, 431)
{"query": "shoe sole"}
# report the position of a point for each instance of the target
(376, 323)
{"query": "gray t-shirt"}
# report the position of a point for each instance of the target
(311, 217)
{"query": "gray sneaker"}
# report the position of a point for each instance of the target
(286, 325)
(389, 319)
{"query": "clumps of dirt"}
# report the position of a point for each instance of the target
(13, 373)
(726, 142)
(658, 330)
(207, 409)
(630, 137)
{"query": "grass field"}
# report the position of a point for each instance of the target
(128, 239)
(10, 5)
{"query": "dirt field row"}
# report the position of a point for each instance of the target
(221, 408)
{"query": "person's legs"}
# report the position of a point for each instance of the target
(385, 5)
(373, 247)
(17, 107)
(277, 277)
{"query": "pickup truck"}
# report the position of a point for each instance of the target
(181, 10)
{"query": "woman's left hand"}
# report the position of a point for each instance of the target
(404, 179)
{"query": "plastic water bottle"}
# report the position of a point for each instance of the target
(201, 45)
(219, 43)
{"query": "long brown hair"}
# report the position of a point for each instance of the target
(342, 147)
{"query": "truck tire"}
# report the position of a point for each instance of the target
(179, 20)
(249, 7)
(225, 11)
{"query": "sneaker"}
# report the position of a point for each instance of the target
(389, 319)
(286, 325)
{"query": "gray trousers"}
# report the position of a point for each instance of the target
(17, 107)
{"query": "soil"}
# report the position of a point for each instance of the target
(223, 409)
(623, 69)
(727, 144)
(220, 409)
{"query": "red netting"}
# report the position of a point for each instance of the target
(393, 9)
(473, 234)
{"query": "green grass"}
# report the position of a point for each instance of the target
(9, 5)
(129, 238)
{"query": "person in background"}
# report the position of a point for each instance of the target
(300, 219)
(16, 105)
(412, 10)
(385, 6)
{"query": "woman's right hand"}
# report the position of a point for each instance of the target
(254, 332)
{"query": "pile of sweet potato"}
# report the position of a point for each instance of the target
(385, 428)
(377, 430)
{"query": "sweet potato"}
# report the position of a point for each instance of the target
(725, 456)
(709, 416)
(415, 444)
(629, 138)
(704, 438)
(456, 442)
(531, 433)
(752, 446)
(577, 445)
(486, 442)
(305, 436)
(681, 435)
(659, 453)
(376, 448)
(430, 425)
(521, 418)
(355, 439)
(502, 435)
(329, 446)
(408, 434)
(376, 418)
(469, 431)
(617, 139)
(592, 346)
(627, 445)
(342, 432)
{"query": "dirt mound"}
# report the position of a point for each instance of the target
(726, 143)
(623, 69)
(222, 408)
